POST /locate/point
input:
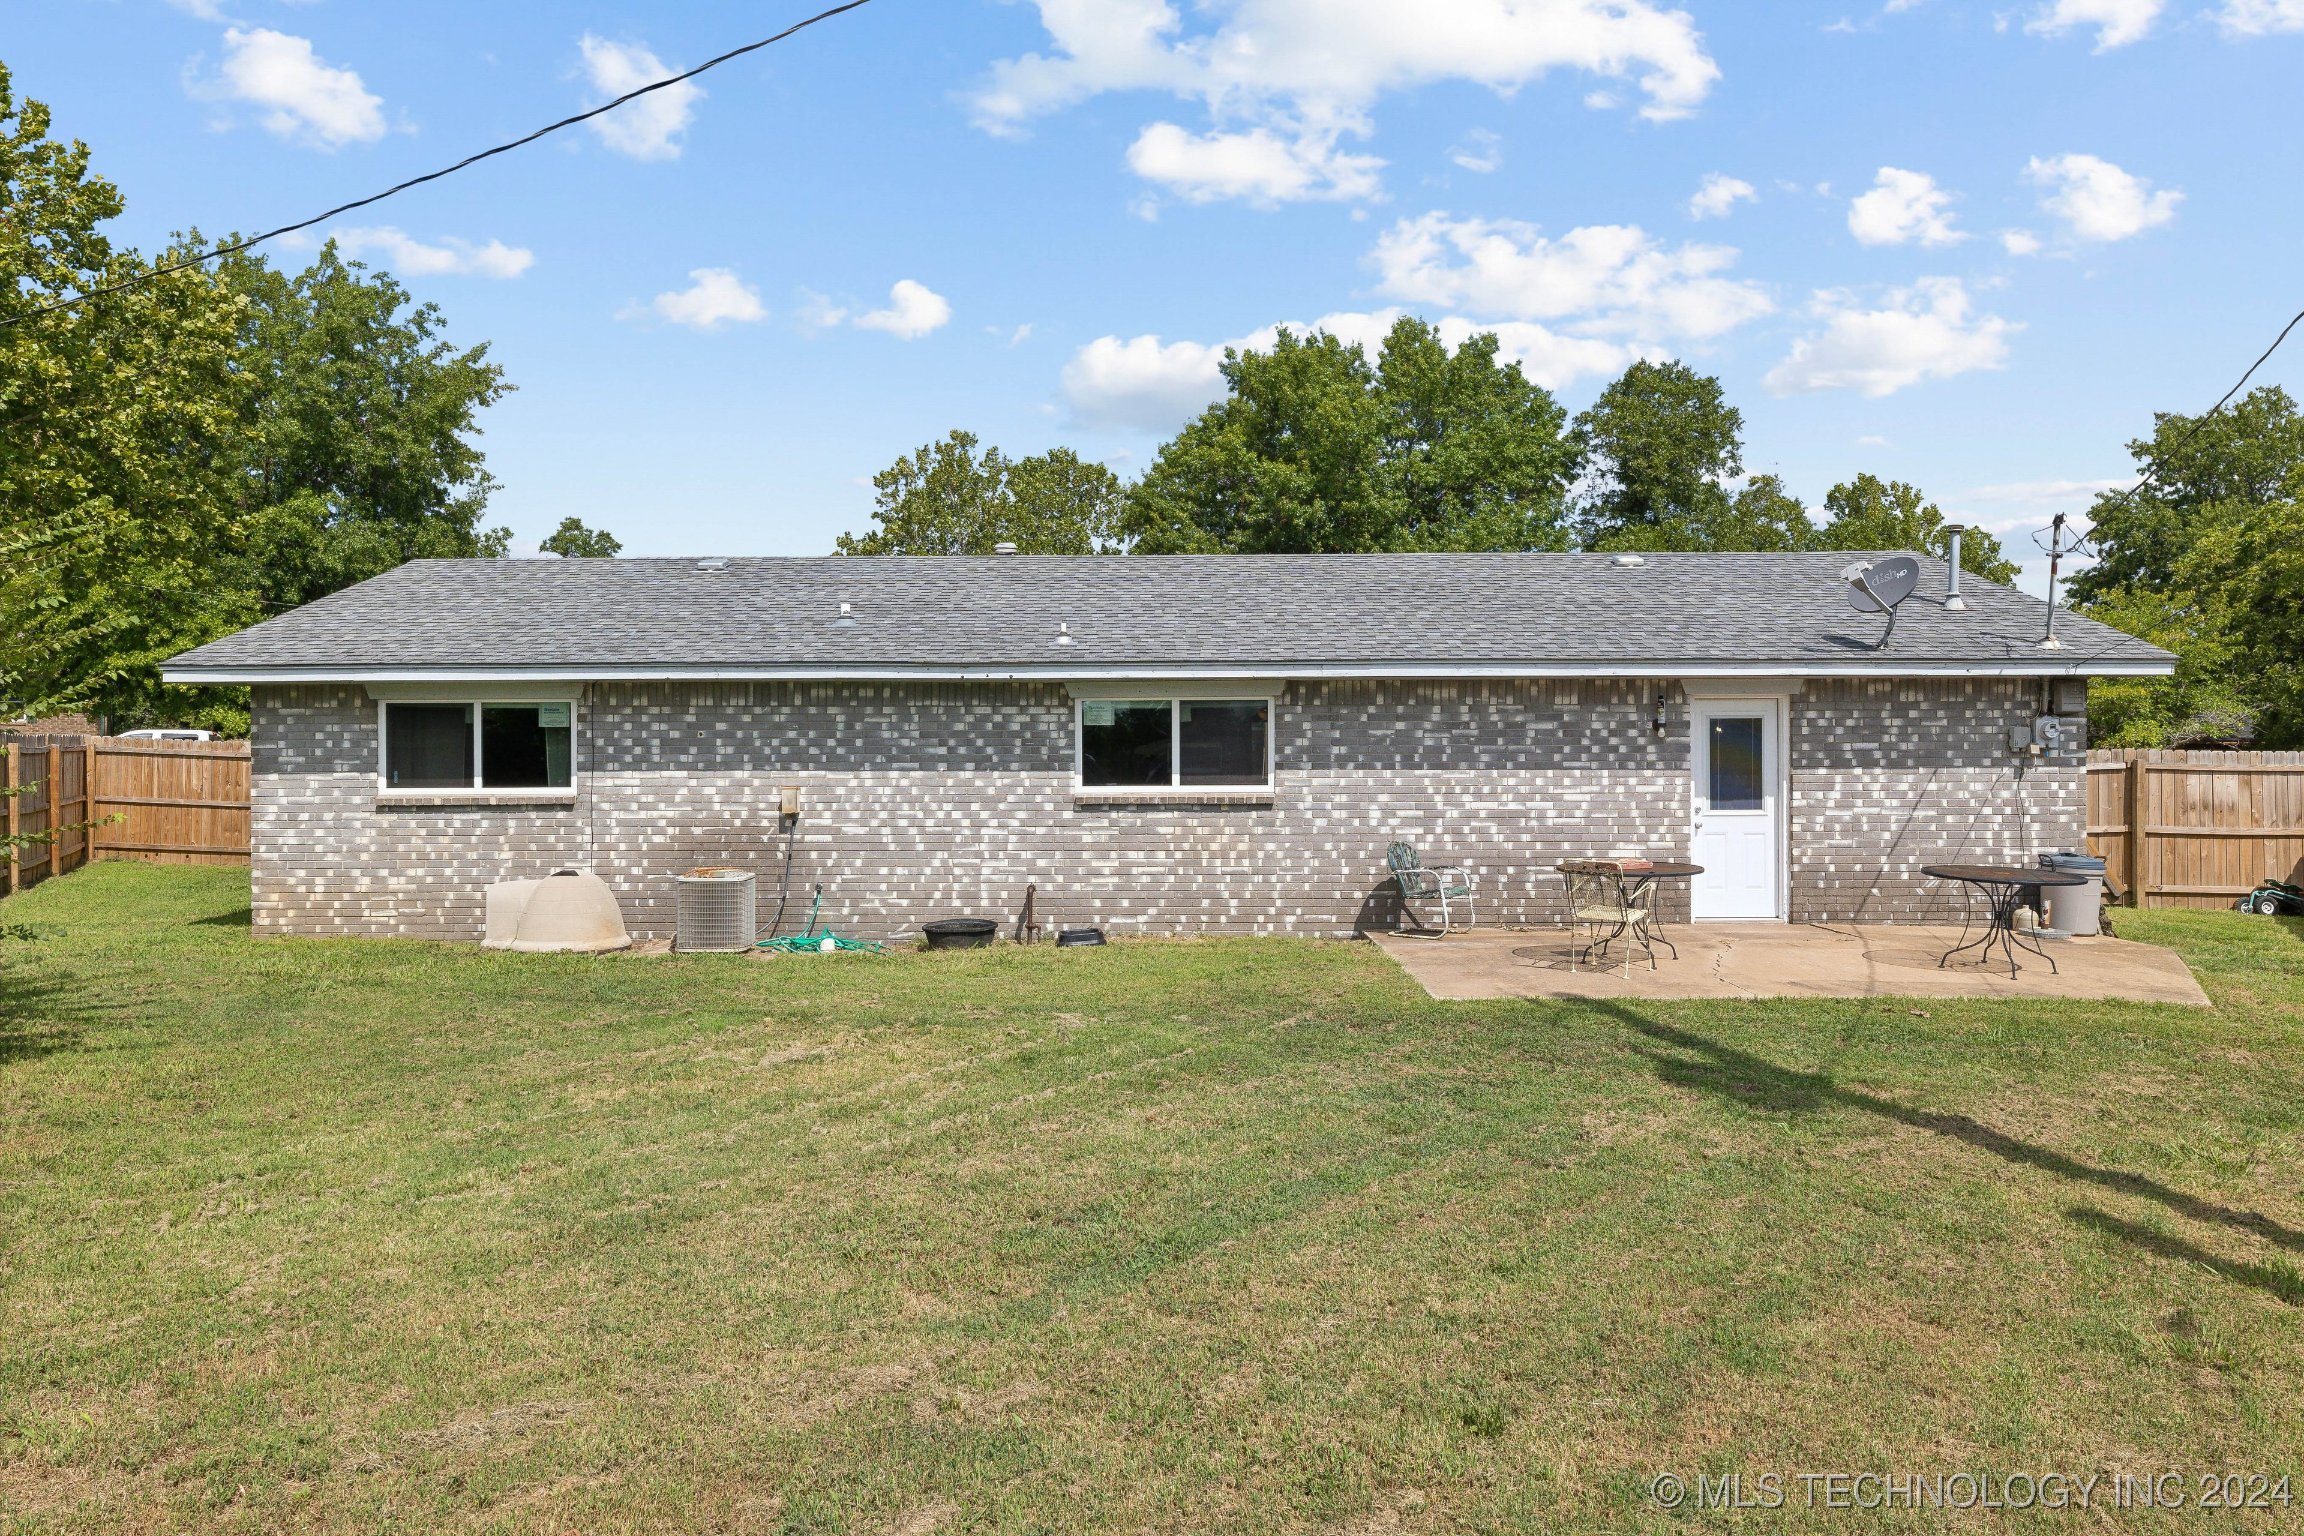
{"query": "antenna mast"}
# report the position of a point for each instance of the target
(2057, 550)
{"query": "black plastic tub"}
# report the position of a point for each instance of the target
(961, 933)
(1079, 938)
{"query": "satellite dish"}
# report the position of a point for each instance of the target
(1880, 586)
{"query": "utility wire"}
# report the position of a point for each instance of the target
(416, 181)
(2198, 424)
(2201, 421)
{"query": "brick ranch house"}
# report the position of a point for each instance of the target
(1161, 744)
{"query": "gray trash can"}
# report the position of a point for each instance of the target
(2075, 909)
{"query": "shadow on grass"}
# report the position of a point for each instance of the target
(243, 918)
(2280, 1281)
(30, 1026)
(1759, 1083)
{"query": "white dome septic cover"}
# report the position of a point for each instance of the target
(569, 912)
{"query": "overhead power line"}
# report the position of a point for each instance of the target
(238, 246)
(2201, 421)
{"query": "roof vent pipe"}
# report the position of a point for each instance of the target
(1953, 601)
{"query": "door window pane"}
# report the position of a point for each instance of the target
(1125, 742)
(526, 746)
(1738, 771)
(1223, 742)
(428, 746)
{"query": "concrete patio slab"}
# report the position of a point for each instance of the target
(1786, 960)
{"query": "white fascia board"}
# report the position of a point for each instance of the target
(2074, 667)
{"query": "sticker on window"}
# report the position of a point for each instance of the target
(553, 716)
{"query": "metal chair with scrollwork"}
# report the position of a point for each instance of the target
(1608, 906)
(1421, 882)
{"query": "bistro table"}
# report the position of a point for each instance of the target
(1662, 869)
(2004, 887)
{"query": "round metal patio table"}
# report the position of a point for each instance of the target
(1663, 870)
(2004, 887)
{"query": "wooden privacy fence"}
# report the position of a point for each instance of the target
(177, 802)
(2196, 829)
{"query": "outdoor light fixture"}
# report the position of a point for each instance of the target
(1657, 724)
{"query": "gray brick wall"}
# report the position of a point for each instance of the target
(1893, 774)
(924, 801)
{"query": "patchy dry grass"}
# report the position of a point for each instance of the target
(1242, 1236)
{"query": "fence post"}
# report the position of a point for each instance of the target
(2139, 861)
(15, 863)
(88, 798)
(83, 818)
(55, 796)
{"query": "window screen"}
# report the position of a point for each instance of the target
(1222, 741)
(1126, 742)
(525, 746)
(428, 746)
(1738, 769)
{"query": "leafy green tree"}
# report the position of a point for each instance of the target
(360, 424)
(573, 541)
(1869, 513)
(2203, 558)
(184, 457)
(2201, 475)
(947, 499)
(119, 426)
(2205, 700)
(1315, 449)
(1662, 443)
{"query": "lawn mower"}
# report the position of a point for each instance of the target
(2274, 898)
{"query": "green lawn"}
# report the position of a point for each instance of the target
(1239, 1236)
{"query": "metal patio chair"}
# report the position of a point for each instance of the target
(1444, 883)
(1605, 903)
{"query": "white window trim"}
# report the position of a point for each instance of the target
(1172, 789)
(478, 788)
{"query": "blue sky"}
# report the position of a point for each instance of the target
(1969, 245)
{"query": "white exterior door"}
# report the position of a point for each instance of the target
(1739, 833)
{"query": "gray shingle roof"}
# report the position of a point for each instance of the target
(1275, 614)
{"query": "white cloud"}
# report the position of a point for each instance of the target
(205, 10)
(2097, 200)
(2117, 22)
(2020, 242)
(404, 254)
(1903, 206)
(2046, 492)
(2260, 18)
(913, 311)
(1146, 384)
(1481, 152)
(1296, 74)
(1719, 195)
(299, 96)
(715, 296)
(1610, 280)
(1926, 331)
(1258, 166)
(647, 129)
(1143, 382)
